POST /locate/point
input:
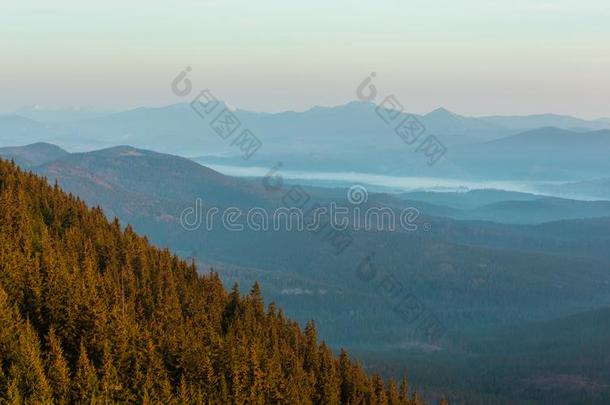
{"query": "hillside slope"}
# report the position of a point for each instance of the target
(90, 312)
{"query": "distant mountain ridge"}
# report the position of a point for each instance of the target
(541, 136)
(154, 127)
(34, 154)
(506, 207)
(132, 171)
(547, 120)
(540, 154)
(340, 138)
(598, 189)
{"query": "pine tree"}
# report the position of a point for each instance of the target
(393, 394)
(110, 383)
(328, 385)
(9, 333)
(58, 370)
(156, 381)
(404, 390)
(379, 390)
(345, 375)
(27, 372)
(85, 380)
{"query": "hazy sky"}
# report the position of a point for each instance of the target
(474, 57)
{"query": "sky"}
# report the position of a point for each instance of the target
(474, 57)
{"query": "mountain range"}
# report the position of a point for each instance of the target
(471, 274)
(150, 190)
(337, 139)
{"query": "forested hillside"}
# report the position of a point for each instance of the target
(92, 313)
(496, 274)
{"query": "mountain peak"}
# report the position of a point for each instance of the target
(442, 112)
(355, 105)
(120, 152)
(34, 154)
